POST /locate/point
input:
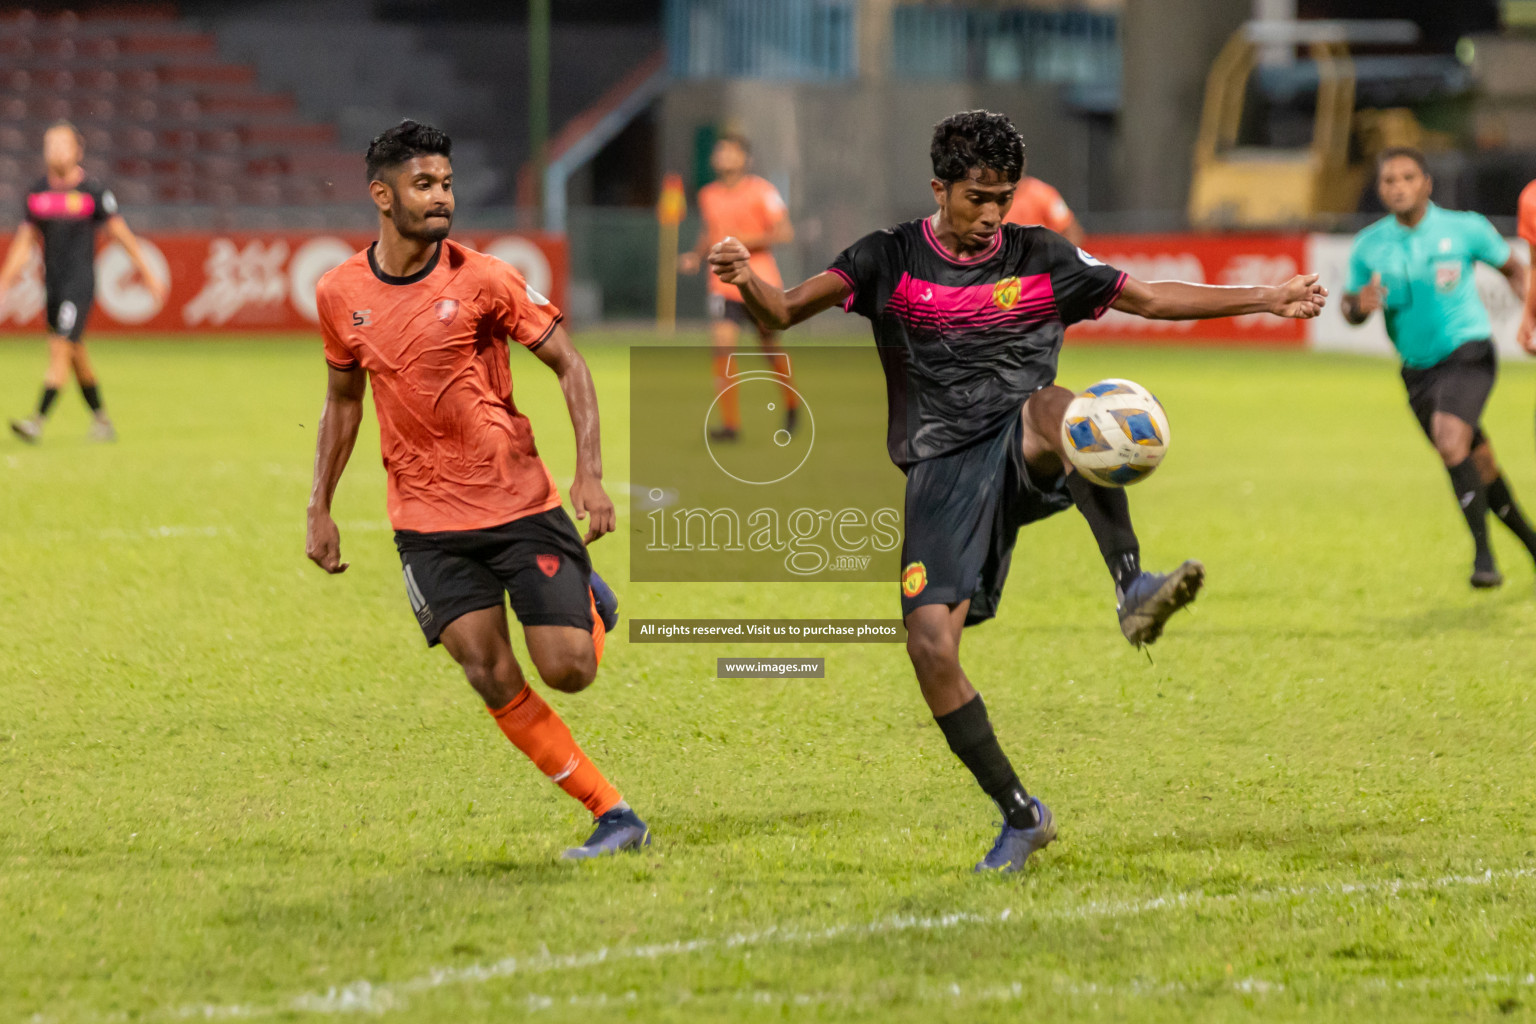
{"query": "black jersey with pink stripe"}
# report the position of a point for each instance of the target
(965, 341)
(67, 219)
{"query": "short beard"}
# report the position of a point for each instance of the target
(419, 229)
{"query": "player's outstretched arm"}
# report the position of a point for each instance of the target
(16, 256)
(773, 307)
(587, 495)
(117, 227)
(339, 420)
(1300, 298)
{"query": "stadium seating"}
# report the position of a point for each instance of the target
(165, 118)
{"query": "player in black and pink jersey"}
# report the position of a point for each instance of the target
(969, 314)
(63, 210)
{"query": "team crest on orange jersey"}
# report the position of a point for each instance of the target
(913, 579)
(548, 564)
(1005, 294)
(447, 309)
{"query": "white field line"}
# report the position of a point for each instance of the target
(369, 997)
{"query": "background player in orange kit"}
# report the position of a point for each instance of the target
(1527, 229)
(1035, 202)
(743, 206)
(475, 512)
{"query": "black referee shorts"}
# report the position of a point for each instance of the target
(538, 561)
(722, 308)
(1458, 385)
(67, 313)
(963, 513)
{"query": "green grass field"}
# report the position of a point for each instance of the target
(233, 787)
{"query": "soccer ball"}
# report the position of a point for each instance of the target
(1115, 433)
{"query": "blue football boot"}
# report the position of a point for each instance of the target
(1152, 597)
(1014, 845)
(606, 600)
(619, 829)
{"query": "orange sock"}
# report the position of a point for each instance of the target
(599, 632)
(730, 412)
(535, 729)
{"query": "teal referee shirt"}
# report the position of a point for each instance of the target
(1431, 306)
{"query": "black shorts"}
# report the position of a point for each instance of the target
(67, 314)
(1459, 385)
(722, 308)
(963, 513)
(539, 561)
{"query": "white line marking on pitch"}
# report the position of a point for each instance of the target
(367, 997)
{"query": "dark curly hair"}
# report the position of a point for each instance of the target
(976, 138)
(1393, 152)
(402, 142)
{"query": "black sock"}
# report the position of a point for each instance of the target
(92, 396)
(1473, 499)
(46, 402)
(1109, 517)
(1502, 503)
(970, 736)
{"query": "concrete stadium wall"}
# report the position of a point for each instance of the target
(852, 157)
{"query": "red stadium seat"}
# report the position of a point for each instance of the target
(49, 108)
(12, 108)
(96, 48)
(139, 108)
(249, 103)
(53, 79)
(208, 75)
(168, 44)
(134, 140)
(13, 46)
(97, 139)
(261, 193)
(93, 108)
(138, 79)
(13, 140)
(96, 79)
(221, 168)
(14, 80)
(179, 108)
(132, 167)
(179, 140)
(219, 140)
(175, 190)
(217, 191)
(133, 192)
(288, 134)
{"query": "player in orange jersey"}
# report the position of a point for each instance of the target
(475, 512)
(1035, 202)
(1527, 229)
(739, 205)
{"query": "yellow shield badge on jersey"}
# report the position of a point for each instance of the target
(913, 579)
(1005, 294)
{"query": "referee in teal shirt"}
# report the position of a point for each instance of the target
(1416, 266)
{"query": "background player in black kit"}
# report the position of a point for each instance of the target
(63, 210)
(968, 316)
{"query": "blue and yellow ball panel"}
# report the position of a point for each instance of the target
(1138, 426)
(1108, 387)
(1126, 474)
(1086, 436)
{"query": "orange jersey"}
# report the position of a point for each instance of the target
(1035, 202)
(1528, 213)
(752, 208)
(458, 453)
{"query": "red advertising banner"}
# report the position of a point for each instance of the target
(1201, 259)
(248, 280)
